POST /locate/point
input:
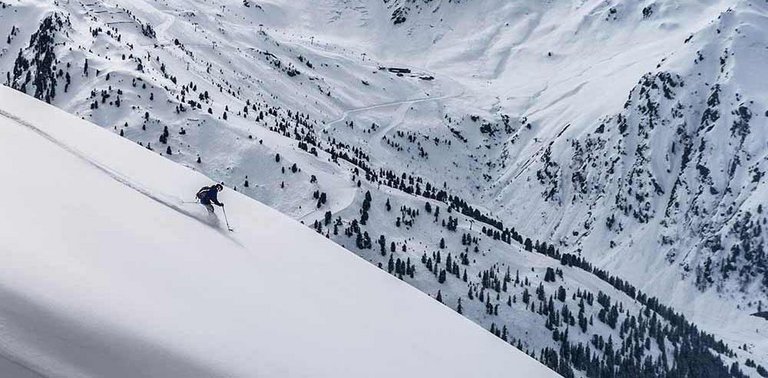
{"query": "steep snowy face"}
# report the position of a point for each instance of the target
(603, 118)
(402, 9)
(678, 173)
(609, 117)
(115, 275)
(469, 147)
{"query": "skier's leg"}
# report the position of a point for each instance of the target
(213, 220)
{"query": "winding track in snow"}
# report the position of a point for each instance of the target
(349, 112)
(398, 117)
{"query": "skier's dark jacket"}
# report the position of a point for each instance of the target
(208, 195)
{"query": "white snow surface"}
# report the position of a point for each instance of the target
(107, 272)
(509, 122)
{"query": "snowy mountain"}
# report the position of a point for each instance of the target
(107, 272)
(469, 148)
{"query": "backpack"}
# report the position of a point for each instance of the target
(203, 192)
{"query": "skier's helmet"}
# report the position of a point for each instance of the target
(219, 187)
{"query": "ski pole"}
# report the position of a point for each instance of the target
(223, 210)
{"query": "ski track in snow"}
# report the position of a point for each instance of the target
(397, 118)
(19, 368)
(172, 203)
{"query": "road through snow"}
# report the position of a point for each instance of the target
(347, 113)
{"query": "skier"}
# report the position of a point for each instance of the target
(208, 196)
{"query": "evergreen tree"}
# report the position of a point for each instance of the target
(549, 276)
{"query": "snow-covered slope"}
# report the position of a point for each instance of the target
(629, 134)
(106, 272)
